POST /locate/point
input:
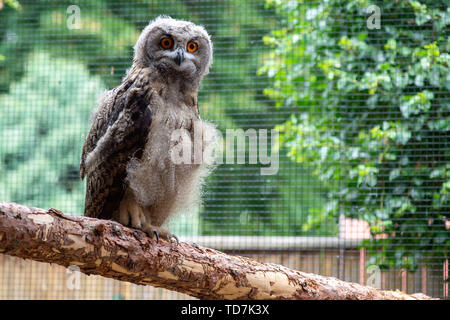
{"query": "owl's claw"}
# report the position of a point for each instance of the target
(156, 235)
(171, 236)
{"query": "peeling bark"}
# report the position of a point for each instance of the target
(111, 250)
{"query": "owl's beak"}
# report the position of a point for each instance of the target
(179, 57)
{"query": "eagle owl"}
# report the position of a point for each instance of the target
(131, 176)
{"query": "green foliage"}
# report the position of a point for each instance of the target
(104, 42)
(374, 115)
(13, 4)
(41, 124)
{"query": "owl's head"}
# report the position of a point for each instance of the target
(175, 47)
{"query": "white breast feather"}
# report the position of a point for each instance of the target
(156, 180)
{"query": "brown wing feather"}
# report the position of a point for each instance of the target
(105, 117)
(124, 136)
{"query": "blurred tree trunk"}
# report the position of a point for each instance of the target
(111, 250)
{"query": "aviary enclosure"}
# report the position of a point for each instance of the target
(342, 108)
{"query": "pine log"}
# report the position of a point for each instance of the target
(109, 249)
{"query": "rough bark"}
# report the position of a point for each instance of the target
(111, 250)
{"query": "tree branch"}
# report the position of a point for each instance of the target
(111, 250)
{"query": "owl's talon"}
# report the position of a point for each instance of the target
(171, 236)
(156, 235)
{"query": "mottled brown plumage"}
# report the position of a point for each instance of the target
(126, 158)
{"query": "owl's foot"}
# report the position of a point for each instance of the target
(159, 233)
(131, 214)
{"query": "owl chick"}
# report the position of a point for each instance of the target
(127, 158)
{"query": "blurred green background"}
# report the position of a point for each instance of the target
(363, 113)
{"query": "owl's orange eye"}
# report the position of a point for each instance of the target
(166, 43)
(192, 46)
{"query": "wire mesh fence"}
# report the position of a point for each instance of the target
(354, 97)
